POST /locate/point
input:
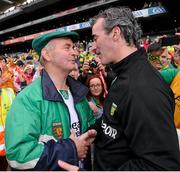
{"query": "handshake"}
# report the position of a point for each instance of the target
(83, 142)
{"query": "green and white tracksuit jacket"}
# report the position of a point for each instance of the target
(38, 125)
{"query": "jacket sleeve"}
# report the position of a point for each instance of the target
(62, 150)
(22, 133)
(150, 131)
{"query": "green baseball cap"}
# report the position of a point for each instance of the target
(41, 41)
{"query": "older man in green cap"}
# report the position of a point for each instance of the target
(39, 122)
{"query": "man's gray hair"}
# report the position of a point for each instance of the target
(49, 46)
(122, 17)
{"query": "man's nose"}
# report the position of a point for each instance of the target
(94, 45)
(73, 52)
(94, 48)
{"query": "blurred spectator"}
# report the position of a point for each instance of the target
(20, 64)
(172, 77)
(165, 58)
(96, 95)
(154, 52)
(6, 80)
(177, 57)
(6, 98)
(147, 42)
(29, 73)
(38, 72)
(25, 77)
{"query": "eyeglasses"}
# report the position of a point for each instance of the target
(95, 86)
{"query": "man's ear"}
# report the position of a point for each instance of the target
(116, 33)
(45, 54)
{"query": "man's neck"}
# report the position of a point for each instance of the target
(123, 52)
(59, 78)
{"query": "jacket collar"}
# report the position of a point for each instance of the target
(124, 64)
(50, 93)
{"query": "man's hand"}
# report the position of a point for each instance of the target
(67, 166)
(83, 142)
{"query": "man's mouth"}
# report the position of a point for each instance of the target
(73, 60)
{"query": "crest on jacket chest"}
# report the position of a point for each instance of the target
(57, 130)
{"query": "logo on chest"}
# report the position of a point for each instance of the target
(57, 130)
(108, 130)
(113, 109)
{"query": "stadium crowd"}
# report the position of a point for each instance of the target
(18, 72)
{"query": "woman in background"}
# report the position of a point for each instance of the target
(96, 95)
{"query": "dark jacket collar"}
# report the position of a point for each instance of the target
(50, 93)
(140, 54)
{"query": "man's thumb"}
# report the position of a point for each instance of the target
(67, 166)
(73, 134)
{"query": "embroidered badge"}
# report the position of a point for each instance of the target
(113, 109)
(57, 130)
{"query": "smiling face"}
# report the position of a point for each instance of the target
(95, 87)
(60, 54)
(164, 57)
(103, 42)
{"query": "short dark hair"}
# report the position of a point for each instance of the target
(154, 47)
(29, 58)
(19, 63)
(3, 58)
(124, 18)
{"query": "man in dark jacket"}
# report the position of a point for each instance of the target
(137, 131)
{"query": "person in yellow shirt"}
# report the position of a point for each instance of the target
(6, 97)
